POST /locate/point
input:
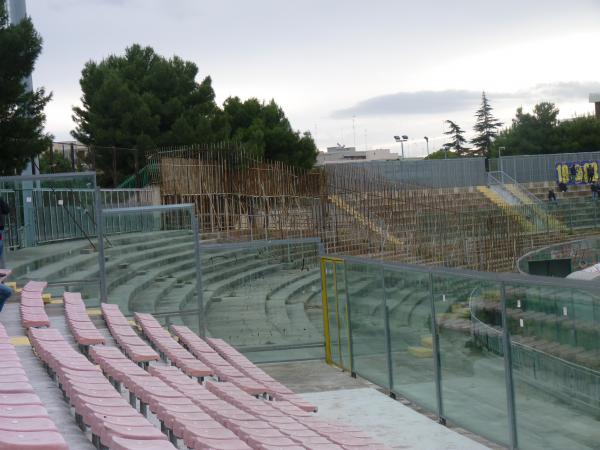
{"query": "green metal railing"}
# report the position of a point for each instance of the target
(142, 179)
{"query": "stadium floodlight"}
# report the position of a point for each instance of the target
(402, 139)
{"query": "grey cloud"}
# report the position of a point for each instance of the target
(426, 102)
(571, 90)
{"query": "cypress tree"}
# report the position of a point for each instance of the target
(486, 128)
(457, 141)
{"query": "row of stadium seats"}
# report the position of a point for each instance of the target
(113, 422)
(127, 339)
(33, 313)
(171, 349)
(83, 330)
(24, 422)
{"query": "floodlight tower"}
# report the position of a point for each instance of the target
(17, 11)
(402, 139)
(595, 98)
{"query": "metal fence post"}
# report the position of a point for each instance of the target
(101, 257)
(437, 366)
(388, 340)
(508, 373)
(349, 324)
(199, 293)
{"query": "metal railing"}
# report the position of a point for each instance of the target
(61, 213)
(502, 178)
(506, 356)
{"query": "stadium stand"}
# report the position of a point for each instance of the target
(97, 404)
(219, 401)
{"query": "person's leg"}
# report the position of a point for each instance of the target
(5, 293)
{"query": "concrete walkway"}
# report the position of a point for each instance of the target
(388, 421)
(356, 401)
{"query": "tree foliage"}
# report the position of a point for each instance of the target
(266, 132)
(142, 100)
(442, 153)
(486, 127)
(55, 162)
(22, 116)
(540, 132)
(457, 140)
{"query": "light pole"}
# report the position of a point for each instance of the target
(427, 141)
(402, 139)
(500, 157)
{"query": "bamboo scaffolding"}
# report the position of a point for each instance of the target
(354, 210)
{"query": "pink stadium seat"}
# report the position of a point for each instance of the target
(32, 440)
(24, 422)
(138, 350)
(32, 309)
(97, 404)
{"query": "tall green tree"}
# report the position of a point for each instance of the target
(266, 131)
(22, 115)
(486, 127)
(457, 139)
(541, 132)
(142, 100)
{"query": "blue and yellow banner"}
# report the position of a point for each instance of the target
(577, 172)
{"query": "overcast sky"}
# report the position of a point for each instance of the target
(396, 67)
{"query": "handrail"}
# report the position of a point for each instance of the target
(500, 178)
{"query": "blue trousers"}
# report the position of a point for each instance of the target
(5, 293)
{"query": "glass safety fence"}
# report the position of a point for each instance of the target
(512, 358)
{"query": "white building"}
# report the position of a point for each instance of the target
(342, 154)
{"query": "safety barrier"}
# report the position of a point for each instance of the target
(506, 356)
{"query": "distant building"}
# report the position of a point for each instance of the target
(595, 98)
(342, 154)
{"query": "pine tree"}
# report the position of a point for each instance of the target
(486, 128)
(457, 141)
(22, 116)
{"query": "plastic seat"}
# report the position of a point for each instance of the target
(19, 399)
(219, 444)
(27, 424)
(32, 440)
(145, 433)
(119, 443)
(15, 387)
(23, 411)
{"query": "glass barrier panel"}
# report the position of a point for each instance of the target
(152, 269)
(258, 295)
(408, 297)
(555, 366)
(50, 232)
(366, 302)
(469, 324)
